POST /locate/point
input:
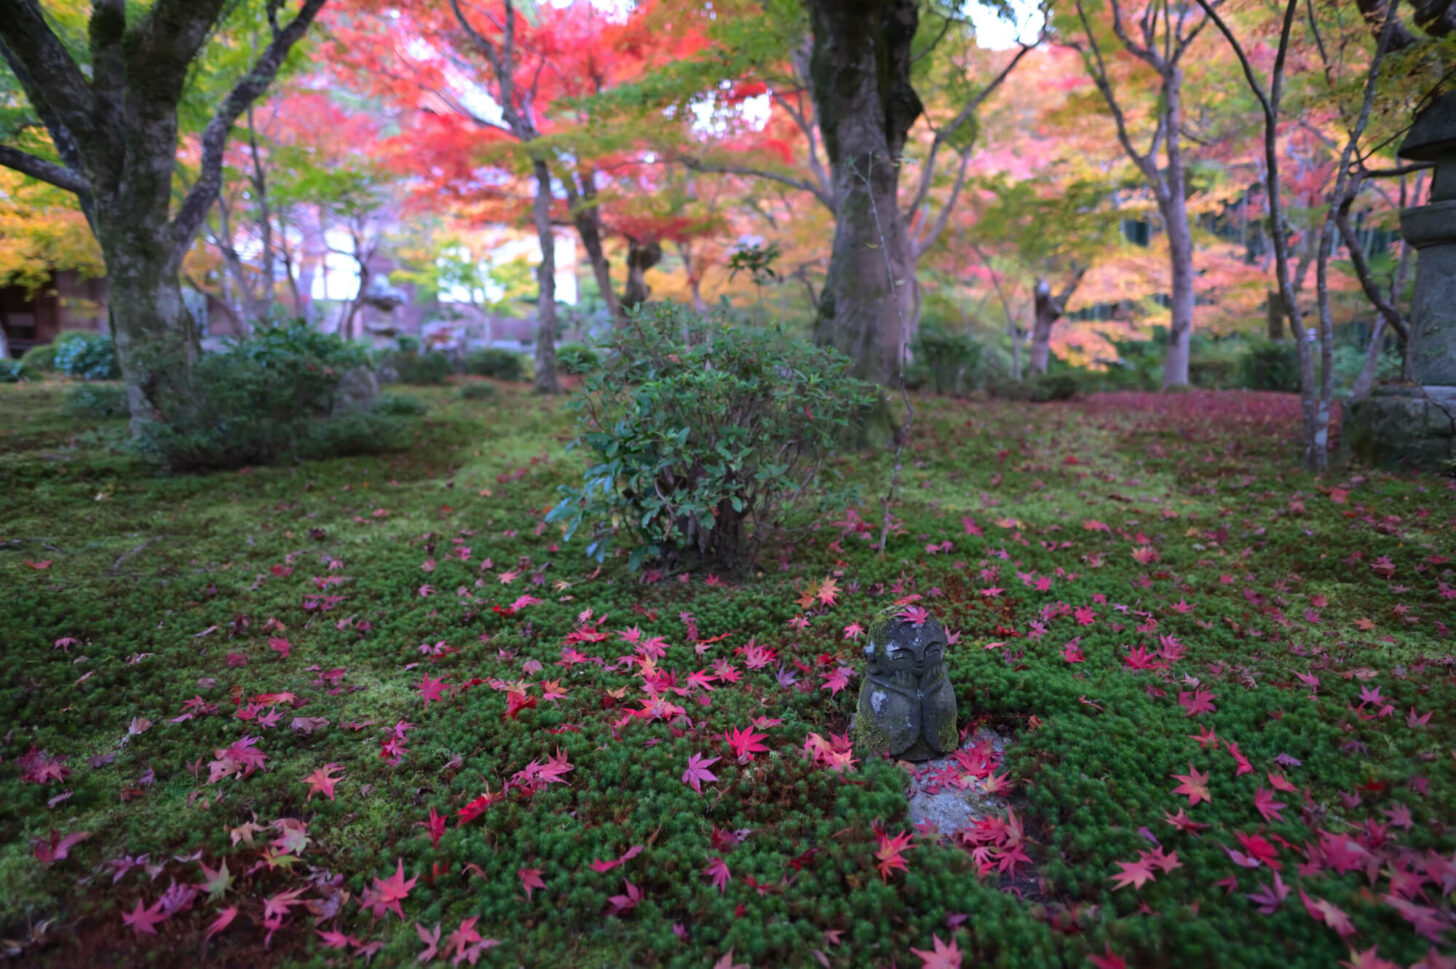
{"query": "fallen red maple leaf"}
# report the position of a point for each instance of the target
(1195, 785)
(943, 956)
(717, 872)
(142, 920)
(51, 850)
(322, 781)
(530, 880)
(890, 855)
(697, 772)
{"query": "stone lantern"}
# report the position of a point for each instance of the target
(1414, 424)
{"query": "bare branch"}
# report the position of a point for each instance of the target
(1397, 171)
(47, 171)
(214, 137)
(717, 168)
(919, 247)
(1097, 68)
(966, 113)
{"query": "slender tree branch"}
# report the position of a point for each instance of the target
(61, 176)
(718, 168)
(921, 246)
(1387, 310)
(50, 78)
(214, 137)
(1397, 171)
(948, 130)
(1097, 68)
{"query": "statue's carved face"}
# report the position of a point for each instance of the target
(915, 650)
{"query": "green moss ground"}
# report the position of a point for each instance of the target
(1259, 573)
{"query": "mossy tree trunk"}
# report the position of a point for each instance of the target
(116, 136)
(865, 105)
(1049, 309)
(546, 380)
(641, 256)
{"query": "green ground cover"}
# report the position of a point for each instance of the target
(376, 708)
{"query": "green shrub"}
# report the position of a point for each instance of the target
(1038, 388)
(947, 359)
(89, 356)
(97, 402)
(576, 358)
(41, 358)
(400, 405)
(14, 371)
(274, 395)
(409, 343)
(705, 436)
(1213, 373)
(1348, 360)
(1139, 364)
(1270, 366)
(477, 390)
(495, 362)
(420, 369)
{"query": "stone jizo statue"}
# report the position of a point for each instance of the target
(907, 708)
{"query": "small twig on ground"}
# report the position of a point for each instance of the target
(124, 556)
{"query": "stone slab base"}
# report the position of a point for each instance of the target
(1403, 426)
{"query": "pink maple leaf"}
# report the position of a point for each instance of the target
(143, 921)
(1195, 785)
(914, 615)
(837, 680)
(530, 880)
(624, 903)
(435, 826)
(943, 956)
(431, 939)
(746, 743)
(698, 773)
(51, 850)
(322, 781)
(1108, 961)
(1135, 873)
(431, 691)
(890, 854)
(1265, 804)
(601, 866)
(223, 920)
(717, 872)
(1322, 911)
(387, 893)
(1199, 701)
(1269, 897)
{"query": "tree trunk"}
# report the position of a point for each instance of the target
(1180, 254)
(546, 382)
(1049, 309)
(156, 337)
(865, 106)
(115, 128)
(1366, 379)
(695, 279)
(641, 256)
(588, 222)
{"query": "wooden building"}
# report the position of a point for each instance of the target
(68, 302)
